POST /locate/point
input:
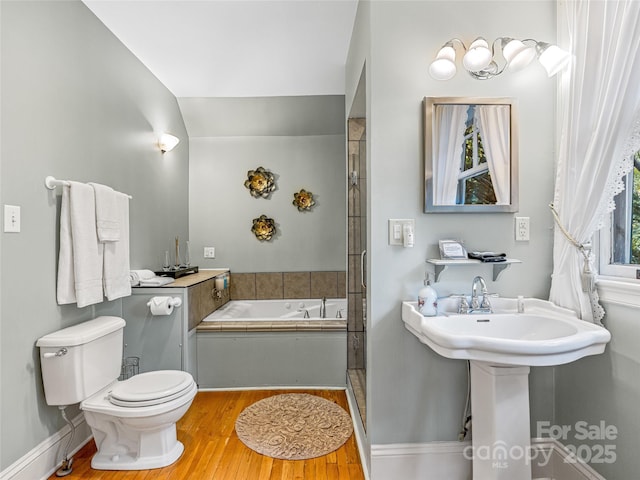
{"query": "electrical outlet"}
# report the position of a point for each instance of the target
(209, 252)
(522, 229)
(11, 219)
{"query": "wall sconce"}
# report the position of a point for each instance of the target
(167, 142)
(481, 62)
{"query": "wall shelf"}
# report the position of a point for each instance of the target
(440, 265)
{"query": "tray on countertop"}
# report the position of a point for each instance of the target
(181, 272)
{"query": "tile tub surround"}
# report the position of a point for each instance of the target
(281, 285)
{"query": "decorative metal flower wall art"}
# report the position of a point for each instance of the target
(260, 182)
(303, 200)
(263, 228)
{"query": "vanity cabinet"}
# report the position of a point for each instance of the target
(168, 342)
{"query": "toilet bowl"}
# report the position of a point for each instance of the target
(133, 421)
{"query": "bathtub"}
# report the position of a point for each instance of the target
(271, 343)
(278, 310)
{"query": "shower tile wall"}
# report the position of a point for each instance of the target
(357, 211)
(279, 285)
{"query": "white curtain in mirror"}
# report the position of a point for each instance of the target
(448, 141)
(599, 106)
(494, 125)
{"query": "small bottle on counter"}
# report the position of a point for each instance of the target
(428, 299)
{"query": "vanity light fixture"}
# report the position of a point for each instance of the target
(167, 142)
(483, 63)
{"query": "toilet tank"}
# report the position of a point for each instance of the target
(80, 360)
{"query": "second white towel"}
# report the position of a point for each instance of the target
(108, 213)
(116, 254)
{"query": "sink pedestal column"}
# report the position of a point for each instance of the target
(501, 432)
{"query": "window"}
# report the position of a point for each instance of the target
(620, 242)
(474, 181)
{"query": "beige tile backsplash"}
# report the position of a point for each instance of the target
(278, 285)
(297, 284)
(269, 286)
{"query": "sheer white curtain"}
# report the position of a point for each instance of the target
(599, 105)
(494, 123)
(448, 141)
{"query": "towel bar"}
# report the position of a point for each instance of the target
(52, 182)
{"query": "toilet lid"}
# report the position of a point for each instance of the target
(150, 388)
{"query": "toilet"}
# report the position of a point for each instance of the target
(133, 421)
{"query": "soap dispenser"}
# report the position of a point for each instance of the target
(428, 299)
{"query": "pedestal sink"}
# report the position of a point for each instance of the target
(501, 346)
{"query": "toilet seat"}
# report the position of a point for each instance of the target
(150, 388)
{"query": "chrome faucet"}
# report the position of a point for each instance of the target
(476, 306)
(463, 304)
(323, 307)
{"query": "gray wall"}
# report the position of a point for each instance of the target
(277, 135)
(78, 105)
(606, 389)
(415, 395)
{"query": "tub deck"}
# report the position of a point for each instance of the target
(273, 326)
(275, 316)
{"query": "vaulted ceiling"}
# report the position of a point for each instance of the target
(236, 48)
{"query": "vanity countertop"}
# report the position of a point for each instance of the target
(193, 278)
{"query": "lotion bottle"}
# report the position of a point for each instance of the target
(428, 299)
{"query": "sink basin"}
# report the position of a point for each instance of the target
(544, 335)
(501, 347)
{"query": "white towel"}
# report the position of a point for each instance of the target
(156, 282)
(136, 275)
(107, 213)
(81, 255)
(66, 288)
(116, 254)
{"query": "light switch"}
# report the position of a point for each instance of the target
(396, 232)
(209, 252)
(11, 219)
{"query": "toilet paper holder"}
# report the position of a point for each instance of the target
(173, 301)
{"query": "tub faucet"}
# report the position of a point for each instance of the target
(323, 307)
(476, 306)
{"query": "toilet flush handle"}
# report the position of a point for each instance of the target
(59, 353)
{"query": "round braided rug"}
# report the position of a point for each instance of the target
(294, 426)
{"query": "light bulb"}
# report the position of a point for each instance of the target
(517, 54)
(168, 142)
(552, 58)
(444, 66)
(478, 56)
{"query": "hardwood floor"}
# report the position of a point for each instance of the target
(214, 452)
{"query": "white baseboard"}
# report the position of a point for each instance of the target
(563, 465)
(417, 461)
(42, 461)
